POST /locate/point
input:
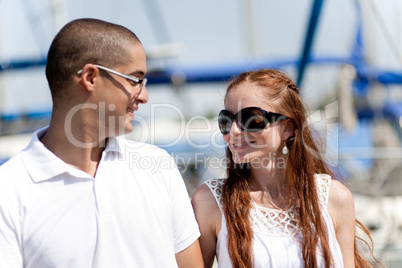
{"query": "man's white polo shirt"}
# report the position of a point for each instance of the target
(134, 213)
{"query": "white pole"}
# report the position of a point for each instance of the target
(398, 11)
(59, 14)
(2, 84)
(249, 22)
(369, 27)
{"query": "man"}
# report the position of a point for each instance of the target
(75, 197)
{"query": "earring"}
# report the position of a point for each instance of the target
(285, 149)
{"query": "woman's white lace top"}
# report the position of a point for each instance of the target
(277, 237)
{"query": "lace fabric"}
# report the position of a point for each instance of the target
(323, 182)
(215, 185)
(274, 222)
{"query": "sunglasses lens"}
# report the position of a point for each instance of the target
(225, 122)
(252, 119)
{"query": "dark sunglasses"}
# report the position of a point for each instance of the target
(250, 119)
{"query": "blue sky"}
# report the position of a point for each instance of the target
(206, 32)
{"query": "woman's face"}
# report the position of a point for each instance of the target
(260, 147)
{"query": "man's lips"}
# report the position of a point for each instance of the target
(131, 111)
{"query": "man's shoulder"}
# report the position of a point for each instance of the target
(11, 166)
(12, 175)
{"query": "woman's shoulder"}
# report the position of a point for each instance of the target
(340, 203)
(203, 193)
(207, 209)
(209, 194)
(210, 187)
(336, 188)
(339, 194)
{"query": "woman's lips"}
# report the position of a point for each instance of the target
(241, 145)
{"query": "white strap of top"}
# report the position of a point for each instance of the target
(323, 182)
(216, 188)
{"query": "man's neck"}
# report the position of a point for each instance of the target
(77, 147)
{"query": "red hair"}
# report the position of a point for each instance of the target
(304, 160)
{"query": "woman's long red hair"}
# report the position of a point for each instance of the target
(304, 160)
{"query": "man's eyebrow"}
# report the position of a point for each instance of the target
(137, 73)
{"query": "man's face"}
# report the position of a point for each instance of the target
(122, 96)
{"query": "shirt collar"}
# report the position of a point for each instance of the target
(43, 165)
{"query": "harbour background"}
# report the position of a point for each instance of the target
(216, 35)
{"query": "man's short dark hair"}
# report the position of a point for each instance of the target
(85, 41)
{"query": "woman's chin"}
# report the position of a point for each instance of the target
(240, 159)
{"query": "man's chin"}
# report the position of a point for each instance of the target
(125, 131)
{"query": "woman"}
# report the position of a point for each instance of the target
(279, 206)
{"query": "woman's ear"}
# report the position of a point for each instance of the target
(288, 129)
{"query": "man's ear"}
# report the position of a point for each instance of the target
(288, 129)
(89, 75)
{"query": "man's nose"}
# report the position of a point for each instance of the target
(142, 96)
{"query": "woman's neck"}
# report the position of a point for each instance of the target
(268, 187)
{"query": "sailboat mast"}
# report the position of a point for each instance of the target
(2, 86)
(59, 14)
(249, 29)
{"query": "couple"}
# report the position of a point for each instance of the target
(71, 198)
